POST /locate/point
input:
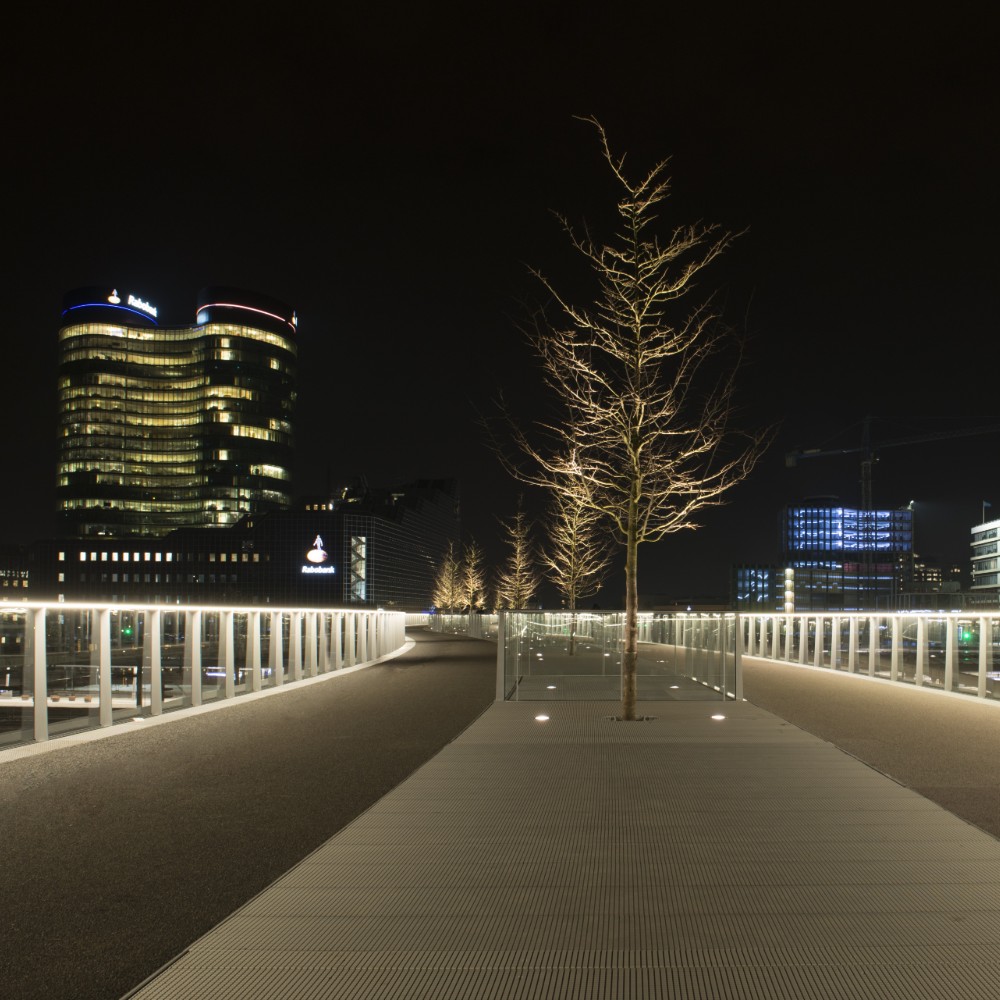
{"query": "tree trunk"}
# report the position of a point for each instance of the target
(572, 628)
(630, 640)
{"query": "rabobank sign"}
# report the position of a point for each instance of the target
(136, 303)
(317, 557)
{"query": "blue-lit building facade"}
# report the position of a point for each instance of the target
(832, 558)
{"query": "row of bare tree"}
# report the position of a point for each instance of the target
(575, 558)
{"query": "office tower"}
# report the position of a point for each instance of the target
(166, 427)
(845, 558)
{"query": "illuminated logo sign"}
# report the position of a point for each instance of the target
(317, 555)
(136, 303)
(114, 298)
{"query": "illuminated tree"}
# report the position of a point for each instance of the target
(643, 381)
(447, 594)
(518, 581)
(473, 580)
(579, 549)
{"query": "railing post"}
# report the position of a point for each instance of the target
(350, 629)
(501, 633)
(310, 665)
(985, 648)
(275, 652)
(897, 647)
(738, 662)
(104, 713)
(852, 644)
(253, 651)
(951, 624)
(295, 645)
(227, 654)
(921, 650)
(337, 640)
(152, 660)
(874, 644)
(36, 660)
(192, 653)
(324, 642)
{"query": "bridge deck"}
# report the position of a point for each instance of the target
(582, 857)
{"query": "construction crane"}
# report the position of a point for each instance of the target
(869, 454)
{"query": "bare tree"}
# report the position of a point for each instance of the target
(447, 594)
(645, 395)
(517, 582)
(579, 549)
(473, 582)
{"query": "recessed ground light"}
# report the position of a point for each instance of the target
(675, 687)
(718, 718)
(550, 687)
(541, 718)
(607, 654)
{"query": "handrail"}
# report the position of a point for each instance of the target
(954, 652)
(89, 643)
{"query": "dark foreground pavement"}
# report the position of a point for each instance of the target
(117, 854)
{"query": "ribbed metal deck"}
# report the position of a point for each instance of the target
(587, 858)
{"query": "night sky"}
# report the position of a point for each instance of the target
(391, 174)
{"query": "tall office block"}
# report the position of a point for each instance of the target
(166, 427)
(846, 558)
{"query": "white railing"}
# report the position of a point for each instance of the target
(571, 656)
(575, 656)
(66, 667)
(952, 652)
(478, 626)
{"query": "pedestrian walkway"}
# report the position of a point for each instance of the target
(582, 857)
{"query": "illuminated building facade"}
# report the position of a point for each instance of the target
(832, 558)
(845, 558)
(167, 427)
(370, 549)
(986, 557)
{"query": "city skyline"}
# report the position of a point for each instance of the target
(394, 186)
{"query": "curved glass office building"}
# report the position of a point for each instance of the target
(165, 427)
